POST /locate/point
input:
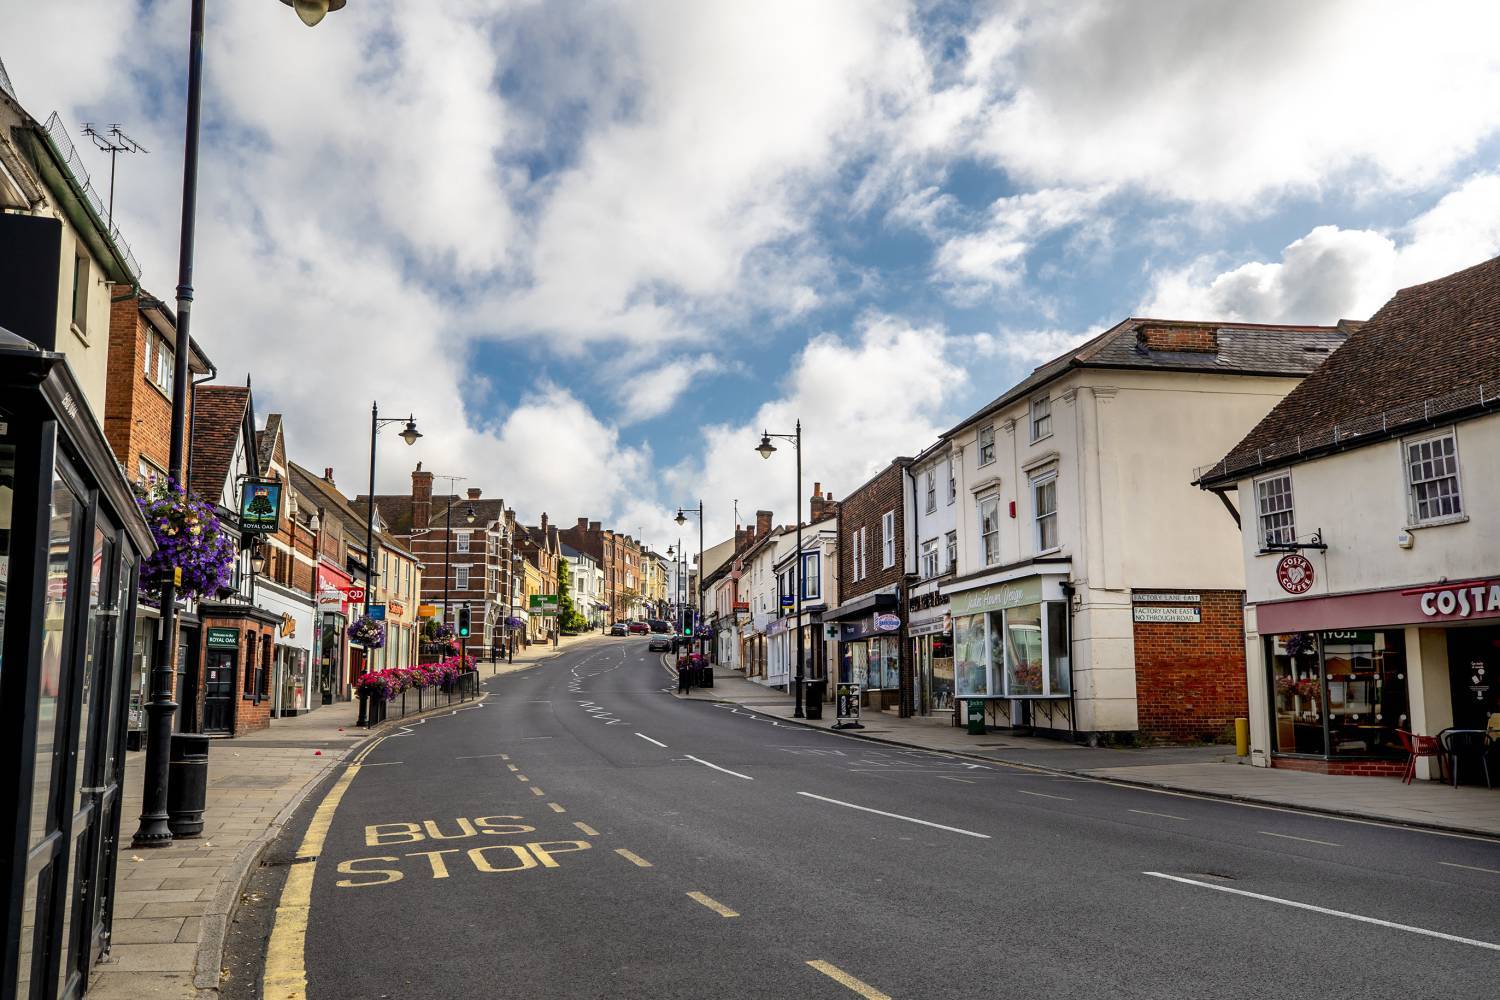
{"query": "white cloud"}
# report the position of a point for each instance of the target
(1334, 273)
(993, 257)
(1027, 347)
(648, 394)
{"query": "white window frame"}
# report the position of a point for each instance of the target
(165, 365)
(1038, 481)
(461, 577)
(952, 551)
(1290, 510)
(1413, 516)
(461, 543)
(858, 554)
(888, 539)
(952, 483)
(985, 551)
(930, 562)
(812, 576)
(1041, 413)
(932, 491)
(986, 446)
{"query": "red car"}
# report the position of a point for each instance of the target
(639, 628)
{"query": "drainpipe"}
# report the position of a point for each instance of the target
(213, 373)
(134, 293)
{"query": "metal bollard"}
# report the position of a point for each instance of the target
(1242, 737)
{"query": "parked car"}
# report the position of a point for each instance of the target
(619, 628)
(639, 628)
(659, 626)
(661, 644)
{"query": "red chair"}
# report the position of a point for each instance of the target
(1418, 746)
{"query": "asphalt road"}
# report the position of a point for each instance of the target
(585, 834)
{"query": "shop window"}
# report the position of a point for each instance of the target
(1432, 479)
(1273, 504)
(1023, 651)
(1338, 694)
(263, 675)
(1044, 503)
(986, 446)
(929, 559)
(989, 530)
(888, 540)
(1019, 652)
(1059, 659)
(1041, 418)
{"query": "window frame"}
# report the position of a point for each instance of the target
(984, 553)
(930, 564)
(888, 539)
(461, 572)
(951, 547)
(461, 542)
(931, 507)
(952, 483)
(1262, 542)
(987, 448)
(812, 576)
(1036, 419)
(1413, 518)
(1039, 480)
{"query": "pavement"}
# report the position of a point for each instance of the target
(173, 905)
(583, 833)
(1203, 770)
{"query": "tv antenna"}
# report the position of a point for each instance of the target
(113, 141)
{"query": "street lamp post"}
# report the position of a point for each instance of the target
(409, 434)
(152, 830)
(682, 514)
(766, 450)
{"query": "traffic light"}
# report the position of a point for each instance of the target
(687, 622)
(463, 621)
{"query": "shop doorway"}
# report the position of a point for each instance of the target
(218, 692)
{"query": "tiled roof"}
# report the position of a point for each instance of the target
(218, 417)
(323, 495)
(265, 441)
(1432, 351)
(1241, 349)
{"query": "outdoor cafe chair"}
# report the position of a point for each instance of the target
(1461, 743)
(1415, 747)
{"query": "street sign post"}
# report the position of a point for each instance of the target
(542, 604)
(846, 707)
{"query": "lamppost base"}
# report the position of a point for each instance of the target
(154, 832)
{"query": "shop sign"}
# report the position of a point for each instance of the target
(260, 506)
(887, 623)
(426, 610)
(1187, 616)
(222, 638)
(937, 626)
(397, 608)
(996, 598)
(376, 612)
(1462, 600)
(846, 706)
(288, 627)
(1159, 598)
(1295, 573)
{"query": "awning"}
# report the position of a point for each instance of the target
(866, 604)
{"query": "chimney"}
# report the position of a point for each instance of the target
(421, 497)
(762, 523)
(328, 474)
(583, 524)
(474, 492)
(1177, 339)
(820, 506)
(594, 526)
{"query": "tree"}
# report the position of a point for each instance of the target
(568, 618)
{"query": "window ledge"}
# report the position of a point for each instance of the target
(1438, 522)
(1048, 552)
(1039, 440)
(78, 332)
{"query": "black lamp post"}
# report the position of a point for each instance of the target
(766, 450)
(152, 830)
(682, 514)
(409, 434)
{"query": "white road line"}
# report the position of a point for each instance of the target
(1305, 840)
(479, 756)
(384, 763)
(716, 767)
(650, 740)
(1147, 812)
(1044, 795)
(1471, 868)
(909, 819)
(1489, 945)
(949, 777)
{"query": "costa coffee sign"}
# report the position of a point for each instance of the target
(1460, 600)
(1455, 601)
(1295, 573)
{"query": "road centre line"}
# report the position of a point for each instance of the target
(1305, 840)
(650, 740)
(712, 904)
(843, 978)
(1360, 918)
(1044, 795)
(633, 858)
(1472, 868)
(716, 767)
(909, 819)
(1147, 812)
(481, 756)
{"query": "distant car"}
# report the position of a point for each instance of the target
(619, 628)
(661, 643)
(639, 628)
(659, 626)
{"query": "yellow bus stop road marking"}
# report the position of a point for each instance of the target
(555, 807)
(588, 830)
(844, 979)
(537, 791)
(633, 858)
(712, 904)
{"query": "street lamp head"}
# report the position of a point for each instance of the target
(312, 11)
(681, 517)
(409, 434)
(766, 448)
(258, 559)
(470, 515)
(670, 551)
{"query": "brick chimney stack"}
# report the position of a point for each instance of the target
(328, 474)
(762, 523)
(474, 492)
(544, 527)
(821, 505)
(421, 497)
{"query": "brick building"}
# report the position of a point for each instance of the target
(618, 556)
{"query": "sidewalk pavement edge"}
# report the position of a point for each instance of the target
(1160, 786)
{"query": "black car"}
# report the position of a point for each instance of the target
(660, 627)
(661, 644)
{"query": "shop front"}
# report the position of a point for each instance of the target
(1011, 648)
(71, 544)
(1342, 676)
(238, 668)
(931, 633)
(869, 636)
(330, 640)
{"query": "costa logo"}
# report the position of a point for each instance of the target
(1295, 573)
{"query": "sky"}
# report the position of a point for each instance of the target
(597, 248)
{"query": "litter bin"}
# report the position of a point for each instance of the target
(706, 675)
(187, 784)
(976, 717)
(813, 693)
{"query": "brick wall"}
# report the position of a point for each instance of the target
(866, 508)
(1190, 678)
(1360, 768)
(137, 415)
(1198, 339)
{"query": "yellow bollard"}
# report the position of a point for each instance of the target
(1242, 737)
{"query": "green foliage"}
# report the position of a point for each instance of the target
(568, 618)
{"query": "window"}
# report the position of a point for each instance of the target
(1041, 418)
(931, 490)
(81, 292)
(1432, 471)
(812, 580)
(148, 470)
(1044, 503)
(1273, 504)
(888, 540)
(989, 530)
(461, 542)
(165, 366)
(460, 578)
(987, 446)
(929, 559)
(858, 554)
(952, 551)
(952, 483)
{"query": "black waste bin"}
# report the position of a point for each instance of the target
(813, 693)
(187, 784)
(706, 675)
(976, 717)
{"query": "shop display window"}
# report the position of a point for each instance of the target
(1020, 652)
(971, 660)
(1338, 694)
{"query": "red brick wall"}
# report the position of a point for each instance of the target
(1190, 678)
(866, 508)
(137, 415)
(1180, 338)
(248, 714)
(1362, 768)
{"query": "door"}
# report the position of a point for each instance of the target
(187, 678)
(218, 691)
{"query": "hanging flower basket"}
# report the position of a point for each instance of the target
(367, 632)
(189, 537)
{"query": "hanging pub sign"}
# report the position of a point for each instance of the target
(260, 506)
